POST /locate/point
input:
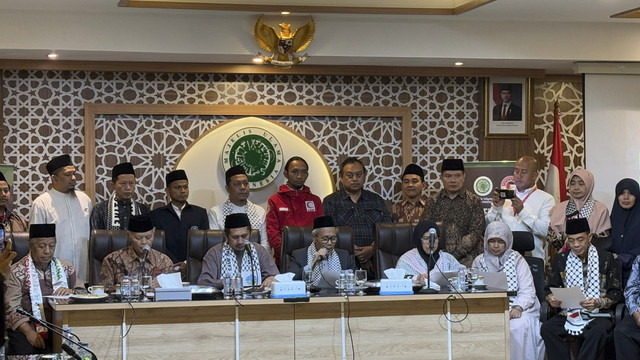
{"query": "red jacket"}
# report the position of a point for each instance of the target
(290, 207)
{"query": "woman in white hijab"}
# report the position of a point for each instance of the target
(526, 342)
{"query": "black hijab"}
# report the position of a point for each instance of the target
(421, 228)
(625, 226)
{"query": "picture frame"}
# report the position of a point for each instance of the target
(507, 107)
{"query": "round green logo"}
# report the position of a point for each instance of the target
(258, 151)
(483, 186)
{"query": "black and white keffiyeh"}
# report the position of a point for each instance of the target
(251, 211)
(229, 267)
(333, 261)
(113, 213)
(585, 210)
(589, 285)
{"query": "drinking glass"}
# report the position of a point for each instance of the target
(307, 279)
(361, 279)
(145, 284)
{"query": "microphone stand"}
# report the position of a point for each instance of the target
(55, 329)
(429, 290)
(253, 270)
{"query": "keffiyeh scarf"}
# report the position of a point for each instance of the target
(230, 265)
(584, 212)
(333, 260)
(58, 279)
(591, 289)
(251, 210)
(113, 213)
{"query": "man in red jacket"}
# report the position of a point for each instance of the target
(293, 204)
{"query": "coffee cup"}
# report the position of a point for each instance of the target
(96, 289)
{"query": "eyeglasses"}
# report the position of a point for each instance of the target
(329, 239)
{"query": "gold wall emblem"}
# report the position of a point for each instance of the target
(284, 45)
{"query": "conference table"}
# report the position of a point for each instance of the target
(327, 327)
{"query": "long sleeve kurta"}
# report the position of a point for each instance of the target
(212, 266)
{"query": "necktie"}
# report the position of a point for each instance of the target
(504, 111)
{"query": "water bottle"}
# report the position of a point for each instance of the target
(135, 288)
(237, 287)
(125, 288)
(84, 354)
(462, 280)
(68, 337)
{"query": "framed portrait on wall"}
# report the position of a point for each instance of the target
(507, 107)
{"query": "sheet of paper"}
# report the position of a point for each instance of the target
(56, 296)
(494, 280)
(170, 281)
(570, 297)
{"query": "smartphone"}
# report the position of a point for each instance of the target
(506, 194)
(2, 239)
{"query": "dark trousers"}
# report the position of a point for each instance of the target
(19, 345)
(627, 338)
(592, 341)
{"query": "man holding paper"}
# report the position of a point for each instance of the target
(595, 273)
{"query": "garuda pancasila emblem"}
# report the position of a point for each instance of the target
(284, 46)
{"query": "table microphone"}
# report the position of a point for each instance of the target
(145, 253)
(432, 241)
(56, 329)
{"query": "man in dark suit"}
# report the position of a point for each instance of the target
(321, 255)
(507, 110)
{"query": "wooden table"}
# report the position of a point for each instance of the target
(381, 327)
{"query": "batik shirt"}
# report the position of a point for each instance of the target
(408, 212)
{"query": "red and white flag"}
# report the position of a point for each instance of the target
(556, 178)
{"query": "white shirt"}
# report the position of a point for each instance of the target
(216, 220)
(533, 218)
(71, 213)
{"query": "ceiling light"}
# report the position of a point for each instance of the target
(285, 12)
(458, 63)
(52, 55)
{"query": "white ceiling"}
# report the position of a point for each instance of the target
(541, 34)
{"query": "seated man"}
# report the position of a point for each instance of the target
(54, 277)
(230, 258)
(321, 255)
(627, 332)
(132, 260)
(597, 276)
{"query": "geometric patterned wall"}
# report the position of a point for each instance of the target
(43, 117)
(569, 97)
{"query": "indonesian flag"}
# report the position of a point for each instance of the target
(556, 178)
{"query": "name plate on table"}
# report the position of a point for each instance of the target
(289, 289)
(396, 287)
(173, 294)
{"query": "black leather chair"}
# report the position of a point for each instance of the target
(20, 245)
(199, 242)
(297, 237)
(523, 241)
(391, 241)
(104, 242)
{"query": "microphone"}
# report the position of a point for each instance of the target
(70, 351)
(247, 247)
(56, 329)
(145, 253)
(432, 239)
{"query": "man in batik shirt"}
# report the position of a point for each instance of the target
(410, 208)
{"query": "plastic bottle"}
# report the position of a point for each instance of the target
(135, 288)
(125, 288)
(462, 280)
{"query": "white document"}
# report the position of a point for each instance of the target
(570, 297)
(494, 280)
(170, 281)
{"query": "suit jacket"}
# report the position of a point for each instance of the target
(298, 260)
(176, 229)
(514, 112)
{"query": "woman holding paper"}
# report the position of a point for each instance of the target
(498, 256)
(418, 262)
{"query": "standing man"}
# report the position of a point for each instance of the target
(114, 214)
(529, 209)
(69, 209)
(10, 220)
(293, 204)
(361, 209)
(34, 276)
(177, 217)
(237, 186)
(410, 208)
(596, 274)
(460, 212)
(507, 110)
(231, 258)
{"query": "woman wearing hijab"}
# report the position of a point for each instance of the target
(625, 225)
(580, 205)
(417, 261)
(524, 313)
